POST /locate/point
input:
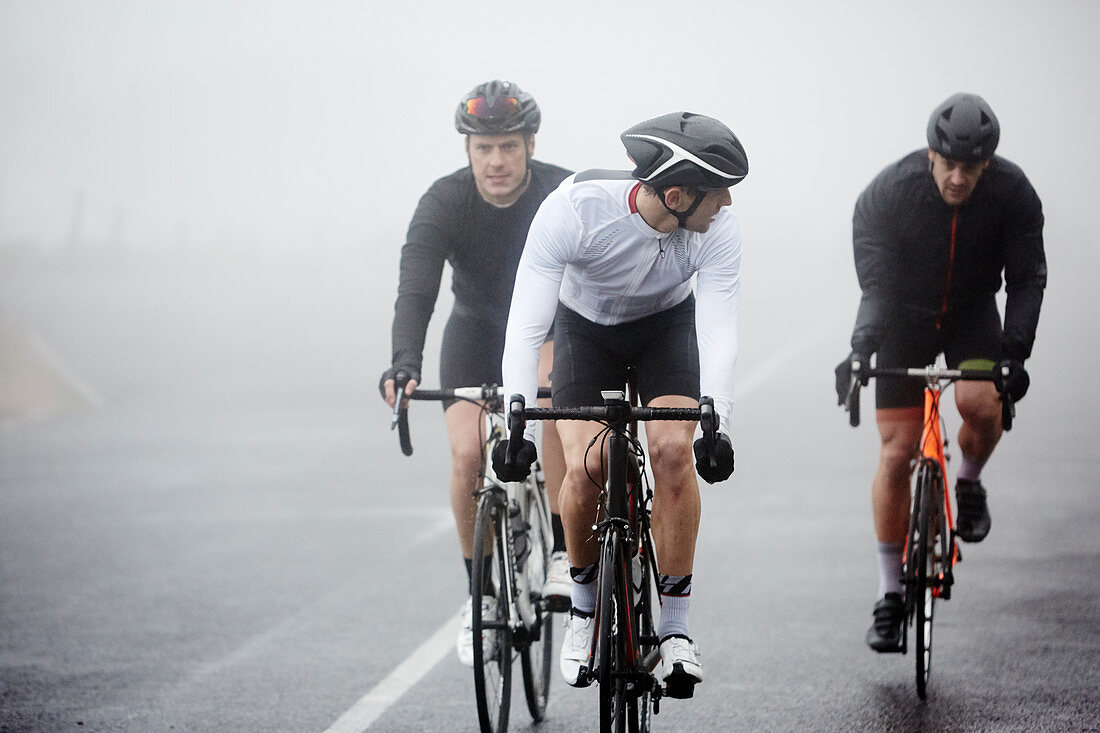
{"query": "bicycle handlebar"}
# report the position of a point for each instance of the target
(932, 375)
(486, 392)
(614, 411)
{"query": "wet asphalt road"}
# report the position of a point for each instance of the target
(231, 540)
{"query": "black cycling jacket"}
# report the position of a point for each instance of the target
(481, 242)
(918, 258)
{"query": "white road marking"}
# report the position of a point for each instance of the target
(372, 705)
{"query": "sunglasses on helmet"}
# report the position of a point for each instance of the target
(500, 107)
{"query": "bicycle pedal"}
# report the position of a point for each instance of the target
(680, 689)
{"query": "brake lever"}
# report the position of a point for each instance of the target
(851, 402)
(401, 412)
(517, 424)
(708, 422)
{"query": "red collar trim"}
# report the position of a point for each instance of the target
(632, 198)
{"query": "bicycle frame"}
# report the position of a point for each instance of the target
(932, 449)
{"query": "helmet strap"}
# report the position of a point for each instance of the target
(682, 216)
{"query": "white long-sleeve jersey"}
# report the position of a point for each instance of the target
(590, 248)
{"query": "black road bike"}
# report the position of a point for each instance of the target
(625, 644)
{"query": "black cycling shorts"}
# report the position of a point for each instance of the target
(966, 334)
(471, 353)
(590, 358)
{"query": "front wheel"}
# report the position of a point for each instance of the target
(618, 674)
(612, 714)
(931, 496)
(536, 659)
(492, 634)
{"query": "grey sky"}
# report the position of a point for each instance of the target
(288, 125)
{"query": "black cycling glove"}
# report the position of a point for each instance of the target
(519, 468)
(1015, 383)
(844, 372)
(723, 459)
(392, 373)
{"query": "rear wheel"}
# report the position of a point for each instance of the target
(536, 659)
(492, 635)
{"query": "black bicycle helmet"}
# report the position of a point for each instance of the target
(964, 128)
(497, 108)
(685, 149)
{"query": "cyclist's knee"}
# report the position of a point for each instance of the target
(579, 490)
(465, 461)
(896, 456)
(581, 466)
(978, 404)
(671, 456)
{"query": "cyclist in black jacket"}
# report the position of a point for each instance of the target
(476, 219)
(932, 235)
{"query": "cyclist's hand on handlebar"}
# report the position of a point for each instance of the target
(723, 459)
(519, 467)
(1012, 379)
(386, 383)
(852, 367)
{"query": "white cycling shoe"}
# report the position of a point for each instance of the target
(680, 667)
(464, 644)
(559, 585)
(576, 649)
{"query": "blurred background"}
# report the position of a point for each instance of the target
(256, 130)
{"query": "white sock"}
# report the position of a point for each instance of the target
(889, 567)
(675, 593)
(970, 469)
(583, 593)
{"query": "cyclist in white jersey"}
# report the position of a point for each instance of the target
(636, 270)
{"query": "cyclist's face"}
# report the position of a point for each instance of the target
(499, 163)
(955, 180)
(708, 208)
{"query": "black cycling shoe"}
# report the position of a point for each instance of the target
(885, 633)
(973, 521)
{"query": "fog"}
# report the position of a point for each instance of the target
(294, 125)
(262, 130)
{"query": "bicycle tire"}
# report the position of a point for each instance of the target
(492, 637)
(645, 594)
(610, 672)
(931, 487)
(536, 657)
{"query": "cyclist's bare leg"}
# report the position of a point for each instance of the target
(579, 497)
(464, 423)
(980, 409)
(552, 456)
(676, 502)
(899, 430)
